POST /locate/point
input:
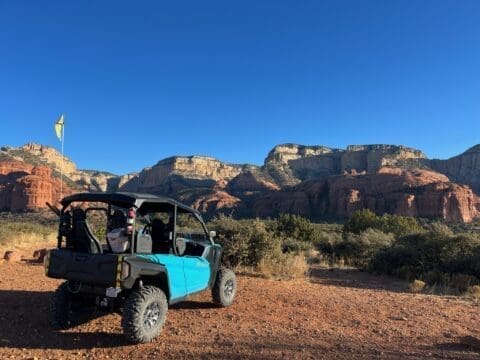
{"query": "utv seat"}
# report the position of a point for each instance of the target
(160, 242)
(82, 237)
(118, 220)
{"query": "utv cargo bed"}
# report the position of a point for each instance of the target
(93, 269)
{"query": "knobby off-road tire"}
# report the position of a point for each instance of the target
(68, 309)
(225, 288)
(144, 314)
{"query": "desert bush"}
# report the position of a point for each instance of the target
(416, 286)
(439, 228)
(409, 256)
(295, 227)
(437, 257)
(356, 249)
(362, 220)
(284, 267)
(290, 245)
(263, 245)
(473, 292)
(327, 241)
(233, 236)
(244, 242)
(460, 283)
(461, 254)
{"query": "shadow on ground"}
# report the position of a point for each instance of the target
(25, 324)
(24, 316)
(465, 343)
(354, 278)
(193, 305)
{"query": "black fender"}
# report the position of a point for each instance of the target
(149, 273)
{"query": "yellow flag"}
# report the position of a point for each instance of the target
(59, 127)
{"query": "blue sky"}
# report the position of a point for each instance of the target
(140, 81)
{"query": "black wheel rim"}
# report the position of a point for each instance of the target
(229, 288)
(151, 316)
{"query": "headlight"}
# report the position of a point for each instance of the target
(125, 270)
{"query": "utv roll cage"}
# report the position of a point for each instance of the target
(75, 223)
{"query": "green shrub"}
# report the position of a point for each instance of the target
(244, 242)
(295, 227)
(232, 235)
(362, 220)
(437, 257)
(360, 249)
(290, 245)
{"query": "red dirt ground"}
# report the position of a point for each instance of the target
(339, 314)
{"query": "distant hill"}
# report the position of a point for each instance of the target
(314, 181)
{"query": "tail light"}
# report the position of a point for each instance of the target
(131, 215)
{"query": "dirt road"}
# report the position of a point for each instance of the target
(340, 314)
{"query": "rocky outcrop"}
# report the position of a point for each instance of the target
(216, 201)
(177, 173)
(49, 156)
(415, 192)
(86, 180)
(27, 187)
(290, 164)
(251, 182)
(464, 168)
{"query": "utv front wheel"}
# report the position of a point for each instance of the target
(144, 314)
(225, 288)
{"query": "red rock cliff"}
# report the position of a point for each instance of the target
(414, 192)
(27, 187)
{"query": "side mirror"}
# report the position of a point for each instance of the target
(213, 233)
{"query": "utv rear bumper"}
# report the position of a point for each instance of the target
(98, 270)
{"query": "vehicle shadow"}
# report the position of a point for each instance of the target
(193, 305)
(25, 324)
(355, 278)
(462, 344)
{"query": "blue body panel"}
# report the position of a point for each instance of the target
(197, 273)
(186, 275)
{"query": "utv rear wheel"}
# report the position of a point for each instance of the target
(144, 314)
(225, 288)
(69, 309)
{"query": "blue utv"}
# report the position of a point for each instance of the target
(135, 254)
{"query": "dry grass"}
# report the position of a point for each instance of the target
(289, 267)
(460, 283)
(26, 240)
(21, 235)
(473, 292)
(416, 286)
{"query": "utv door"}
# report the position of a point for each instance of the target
(197, 273)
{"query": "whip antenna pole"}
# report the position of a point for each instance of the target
(60, 132)
(61, 166)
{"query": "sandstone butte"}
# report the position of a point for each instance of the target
(313, 181)
(27, 187)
